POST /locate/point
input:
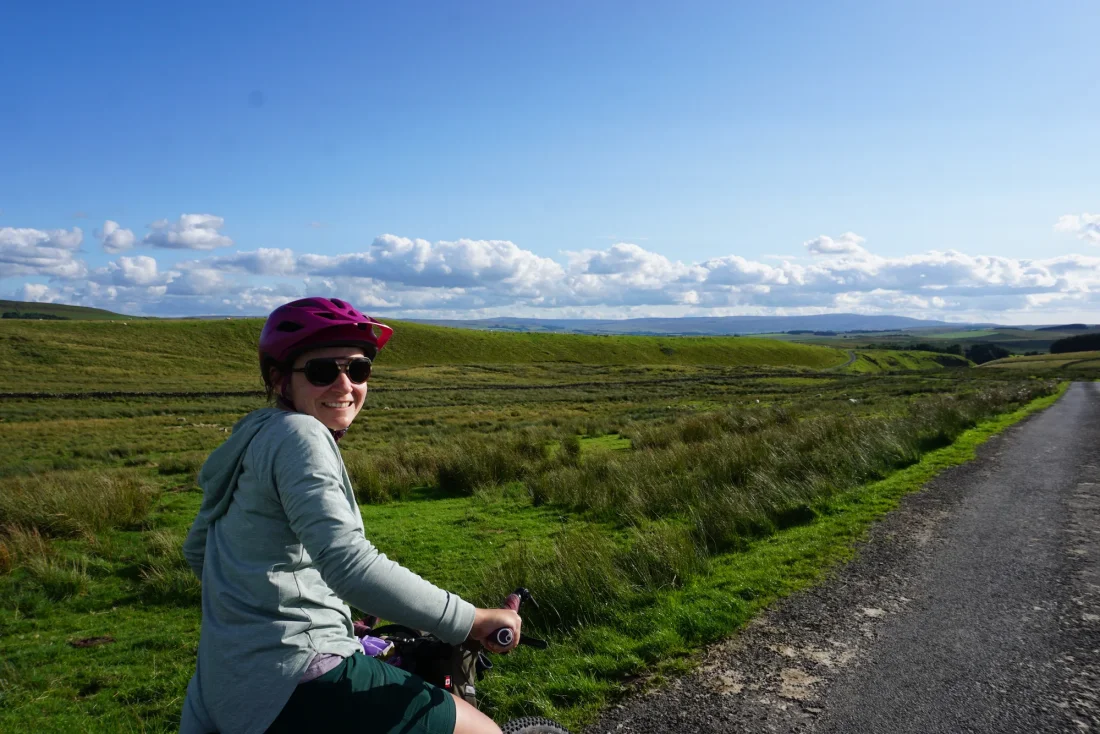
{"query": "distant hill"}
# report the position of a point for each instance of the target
(177, 354)
(700, 326)
(27, 309)
(1064, 327)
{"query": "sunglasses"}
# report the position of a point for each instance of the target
(326, 370)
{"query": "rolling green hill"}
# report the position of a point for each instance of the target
(60, 310)
(167, 355)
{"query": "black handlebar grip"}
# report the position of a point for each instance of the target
(504, 636)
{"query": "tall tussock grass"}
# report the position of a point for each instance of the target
(708, 426)
(470, 463)
(20, 545)
(760, 467)
(709, 484)
(187, 462)
(165, 576)
(57, 577)
(577, 579)
(392, 473)
(586, 576)
(75, 502)
(460, 466)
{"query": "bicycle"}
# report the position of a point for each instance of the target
(454, 668)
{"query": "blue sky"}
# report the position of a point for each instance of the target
(574, 158)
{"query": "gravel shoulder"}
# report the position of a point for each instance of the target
(971, 608)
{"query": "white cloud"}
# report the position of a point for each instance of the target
(264, 261)
(189, 232)
(26, 252)
(39, 293)
(848, 243)
(736, 270)
(174, 294)
(114, 238)
(632, 265)
(262, 299)
(1085, 226)
(198, 282)
(443, 264)
(140, 270)
(416, 277)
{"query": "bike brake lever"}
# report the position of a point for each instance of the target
(525, 596)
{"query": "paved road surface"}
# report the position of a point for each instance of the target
(972, 608)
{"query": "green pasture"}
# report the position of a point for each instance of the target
(1047, 362)
(870, 361)
(652, 507)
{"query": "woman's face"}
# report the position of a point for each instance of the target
(335, 405)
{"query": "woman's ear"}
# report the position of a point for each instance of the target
(280, 384)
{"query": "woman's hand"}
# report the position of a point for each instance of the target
(488, 621)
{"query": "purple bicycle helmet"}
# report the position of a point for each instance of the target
(310, 323)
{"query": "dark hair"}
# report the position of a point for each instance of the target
(273, 396)
(269, 364)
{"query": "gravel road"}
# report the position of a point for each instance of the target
(971, 608)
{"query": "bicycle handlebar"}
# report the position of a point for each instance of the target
(505, 636)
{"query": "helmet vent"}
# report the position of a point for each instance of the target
(338, 303)
(288, 326)
(329, 316)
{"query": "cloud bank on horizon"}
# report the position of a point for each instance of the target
(468, 278)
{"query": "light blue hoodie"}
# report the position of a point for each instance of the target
(278, 543)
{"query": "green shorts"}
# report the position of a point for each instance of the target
(362, 694)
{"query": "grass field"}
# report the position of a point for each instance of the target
(1066, 361)
(651, 506)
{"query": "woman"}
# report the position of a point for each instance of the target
(279, 545)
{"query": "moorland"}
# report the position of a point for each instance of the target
(653, 492)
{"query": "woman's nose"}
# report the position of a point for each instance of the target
(343, 382)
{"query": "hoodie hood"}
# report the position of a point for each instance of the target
(218, 476)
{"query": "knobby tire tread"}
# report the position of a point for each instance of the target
(533, 725)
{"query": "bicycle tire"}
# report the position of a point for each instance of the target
(533, 725)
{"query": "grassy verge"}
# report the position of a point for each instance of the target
(584, 671)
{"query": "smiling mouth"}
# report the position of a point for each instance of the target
(340, 404)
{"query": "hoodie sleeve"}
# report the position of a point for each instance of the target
(194, 546)
(309, 478)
